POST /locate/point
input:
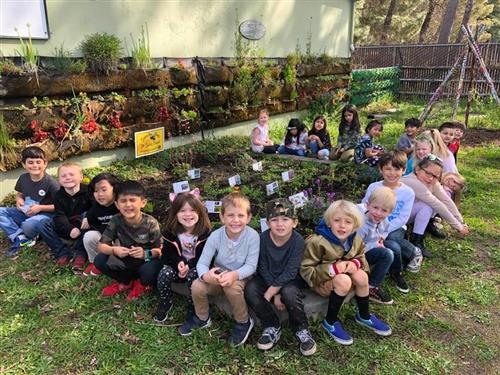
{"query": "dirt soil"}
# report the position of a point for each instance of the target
(479, 136)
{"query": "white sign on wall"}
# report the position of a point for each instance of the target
(16, 14)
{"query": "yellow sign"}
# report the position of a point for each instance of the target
(149, 142)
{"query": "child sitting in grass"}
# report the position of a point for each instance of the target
(318, 139)
(407, 141)
(349, 133)
(454, 145)
(453, 185)
(334, 262)
(366, 151)
(278, 281)
(295, 139)
(228, 259)
(130, 246)
(261, 142)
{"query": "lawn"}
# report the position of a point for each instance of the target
(53, 321)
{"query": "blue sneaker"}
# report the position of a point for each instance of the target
(375, 324)
(240, 332)
(193, 322)
(337, 332)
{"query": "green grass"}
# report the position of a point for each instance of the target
(54, 322)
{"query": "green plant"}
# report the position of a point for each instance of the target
(63, 62)
(6, 144)
(186, 91)
(8, 67)
(189, 115)
(326, 59)
(140, 51)
(101, 52)
(28, 53)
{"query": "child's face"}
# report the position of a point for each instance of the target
(411, 131)
(35, 167)
(293, 131)
(348, 116)
(341, 225)
(70, 177)
(391, 174)
(448, 135)
(235, 219)
(377, 211)
(422, 149)
(187, 217)
(281, 226)
(452, 184)
(459, 133)
(375, 131)
(130, 206)
(263, 119)
(103, 193)
(319, 124)
(429, 175)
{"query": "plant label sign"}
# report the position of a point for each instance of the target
(213, 207)
(263, 224)
(257, 166)
(288, 175)
(298, 200)
(180, 187)
(234, 180)
(149, 142)
(272, 188)
(193, 174)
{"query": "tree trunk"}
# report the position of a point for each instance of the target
(467, 12)
(427, 21)
(384, 36)
(447, 21)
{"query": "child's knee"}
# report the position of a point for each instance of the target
(360, 278)
(289, 294)
(198, 288)
(342, 283)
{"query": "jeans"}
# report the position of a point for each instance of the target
(380, 260)
(323, 153)
(127, 269)
(291, 296)
(168, 275)
(14, 222)
(290, 151)
(403, 250)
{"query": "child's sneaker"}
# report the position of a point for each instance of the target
(379, 295)
(240, 332)
(269, 338)
(91, 270)
(193, 322)
(307, 343)
(375, 324)
(138, 290)
(63, 261)
(416, 262)
(161, 314)
(401, 283)
(19, 242)
(78, 263)
(115, 288)
(337, 332)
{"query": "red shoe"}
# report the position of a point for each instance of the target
(91, 270)
(138, 290)
(63, 261)
(78, 263)
(115, 288)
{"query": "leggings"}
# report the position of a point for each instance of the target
(168, 275)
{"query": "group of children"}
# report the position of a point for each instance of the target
(352, 250)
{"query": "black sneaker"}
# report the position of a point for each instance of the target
(401, 283)
(161, 314)
(193, 322)
(307, 343)
(379, 295)
(269, 338)
(434, 230)
(240, 332)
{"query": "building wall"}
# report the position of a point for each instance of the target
(201, 27)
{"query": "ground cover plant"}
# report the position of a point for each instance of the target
(56, 322)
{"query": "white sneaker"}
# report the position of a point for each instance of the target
(416, 262)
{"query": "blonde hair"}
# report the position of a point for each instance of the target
(459, 179)
(68, 164)
(264, 110)
(347, 208)
(423, 138)
(236, 200)
(384, 196)
(440, 149)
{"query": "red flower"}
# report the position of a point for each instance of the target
(162, 114)
(114, 120)
(61, 131)
(90, 125)
(34, 124)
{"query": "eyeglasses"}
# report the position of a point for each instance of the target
(429, 174)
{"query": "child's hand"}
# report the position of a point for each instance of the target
(341, 266)
(34, 210)
(137, 252)
(75, 233)
(120, 251)
(464, 231)
(380, 242)
(212, 276)
(277, 302)
(19, 203)
(228, 278)
(183, 269)
(85, 224)
(351, 268)
(271, 292)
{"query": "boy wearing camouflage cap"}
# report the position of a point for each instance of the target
(277, 281)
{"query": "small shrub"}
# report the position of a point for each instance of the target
(140, 51)
(63, 61)
(101, 52)
(8, 67)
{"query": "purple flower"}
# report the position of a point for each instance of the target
(330, 196)
(318, 181)
(310, 192)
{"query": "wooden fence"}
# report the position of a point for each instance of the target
(423, 67)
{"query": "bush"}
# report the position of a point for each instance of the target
(64, 63)
(101, 52)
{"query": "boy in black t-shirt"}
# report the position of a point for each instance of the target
(32, 215)
(278, 281)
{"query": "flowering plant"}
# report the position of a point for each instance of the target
(39, 134)
(90, 125)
